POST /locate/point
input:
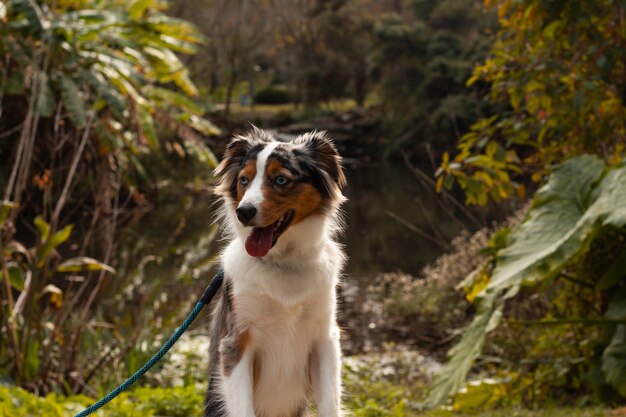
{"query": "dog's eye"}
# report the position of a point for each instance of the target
(281, 181)
(244, 181)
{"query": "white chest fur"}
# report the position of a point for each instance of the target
(287, 303)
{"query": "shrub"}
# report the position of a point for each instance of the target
(87, 82)
(145, 402)
(570, 250)
(273, 94)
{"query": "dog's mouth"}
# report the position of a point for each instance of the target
(262, 239)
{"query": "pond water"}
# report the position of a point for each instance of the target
(395, 222)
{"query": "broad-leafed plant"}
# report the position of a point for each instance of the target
(558, 68)
(582, 202)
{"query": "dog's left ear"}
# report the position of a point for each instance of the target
(325, 161)
(226, 171)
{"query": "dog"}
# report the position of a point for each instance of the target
(274, 343)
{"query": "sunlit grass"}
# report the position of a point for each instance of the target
(512, 412)
(333, 105)
(186, 401)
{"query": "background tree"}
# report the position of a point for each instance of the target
(421, 59)
(238, 33)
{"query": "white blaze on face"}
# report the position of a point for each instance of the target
(254, 193)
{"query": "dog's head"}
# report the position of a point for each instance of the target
(272, 185)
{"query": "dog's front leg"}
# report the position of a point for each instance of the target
(237, 377)
(326, 375)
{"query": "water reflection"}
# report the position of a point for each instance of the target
(395, 223)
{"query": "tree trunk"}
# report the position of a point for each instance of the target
(229, 93)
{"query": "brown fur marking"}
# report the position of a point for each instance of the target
(301, 197)
(256, 371)
(249, 171)
(232, 348)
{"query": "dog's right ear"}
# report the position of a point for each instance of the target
(233, 160)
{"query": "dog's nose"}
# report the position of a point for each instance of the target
(246, 213)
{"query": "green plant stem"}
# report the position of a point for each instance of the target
(576, 280)
(558, 322)
(11, 322)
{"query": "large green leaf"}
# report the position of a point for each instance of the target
(579, 200)
(462, 355)
(614, 360)
(565, 214)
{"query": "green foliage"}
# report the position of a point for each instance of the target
(273, 94)
(583, 200)
(366, 397)
(370, 395)
(558, 69)
(15, 402)
(145, 402)
(100, 67)
(95, 89)
(39, 302)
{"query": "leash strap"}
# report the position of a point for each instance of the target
(206, 298)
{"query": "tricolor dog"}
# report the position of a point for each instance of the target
(274, 338)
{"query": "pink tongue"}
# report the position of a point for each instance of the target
(260, 241)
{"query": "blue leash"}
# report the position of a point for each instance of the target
(206, 298)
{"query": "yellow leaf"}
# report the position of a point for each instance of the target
(479, 283)
(521, 192)
(484, 178)
(445, 158)
(56, 294)
(439, 183)
(471, 80)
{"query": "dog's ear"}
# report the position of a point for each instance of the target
(324, 161)
(227, 170)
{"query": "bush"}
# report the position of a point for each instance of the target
(273, 94)
(570, 252)
(145, 402)
(86, 115)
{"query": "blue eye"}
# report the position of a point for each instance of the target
(280, 181)
(244, 180)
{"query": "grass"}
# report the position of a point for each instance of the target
(187, 402)
(272, 109)
(512, 412)
(390, 384)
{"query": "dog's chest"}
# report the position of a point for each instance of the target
(270, 320)
(282, 339)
